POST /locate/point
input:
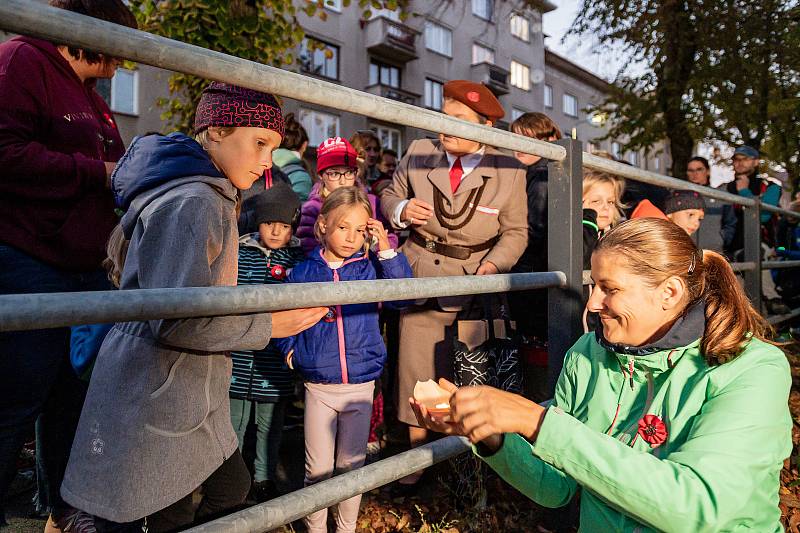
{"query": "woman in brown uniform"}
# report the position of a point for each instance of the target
(464, 203)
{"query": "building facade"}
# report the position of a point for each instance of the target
(498, 43)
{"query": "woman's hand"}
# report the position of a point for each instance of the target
(483, 414)
(377, 230)
(288, 323)
(416, 212)
(486, 269)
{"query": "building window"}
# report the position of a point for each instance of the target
(520, 76)
(570, 104)
(616, 149)
(520, 27)
(548, 96)
(438, 39)
(334, 5)
(656, 164)
(633, 158)
(482, 8)
(591, 147)
(433, 94)
(516, 113)
(319, 125)
(391, 138)
(380, 73)
(320, 58)
(482, 54)
(121, 92)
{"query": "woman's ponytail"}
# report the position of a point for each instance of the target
(730, 317)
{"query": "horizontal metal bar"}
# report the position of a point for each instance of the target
(743, 266)
(645, 176)
(765, 265)
(777, 319)
(39, 311)
(33, 18)
(737, 267)
(780, 210)
(285, 509)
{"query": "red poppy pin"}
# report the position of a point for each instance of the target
(278, 272)
(330, 316)
(653, 430)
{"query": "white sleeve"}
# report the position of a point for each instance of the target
(396, 215)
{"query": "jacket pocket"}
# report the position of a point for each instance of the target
(182, 401)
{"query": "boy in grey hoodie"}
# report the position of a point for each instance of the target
(156, 423)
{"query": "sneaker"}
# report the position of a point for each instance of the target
(74, 521)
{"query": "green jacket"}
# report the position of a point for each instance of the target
(729, 431)
(291, 165)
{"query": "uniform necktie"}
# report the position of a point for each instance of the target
(456, 172)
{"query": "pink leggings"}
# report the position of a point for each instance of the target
(336, 431)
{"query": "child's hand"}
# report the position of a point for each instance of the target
(377, 230)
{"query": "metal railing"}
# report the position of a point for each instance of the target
(564, 282)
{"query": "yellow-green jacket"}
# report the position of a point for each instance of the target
(728, 432)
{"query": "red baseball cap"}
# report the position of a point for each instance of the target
(336, 152)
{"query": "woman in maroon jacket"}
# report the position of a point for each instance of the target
(58, 145)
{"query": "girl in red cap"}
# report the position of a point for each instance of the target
(156, 424)
(337, 166)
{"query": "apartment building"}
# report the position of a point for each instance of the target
(501, 44)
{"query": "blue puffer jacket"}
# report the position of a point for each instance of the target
(319, 355)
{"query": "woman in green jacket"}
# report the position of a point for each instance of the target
(672, 417)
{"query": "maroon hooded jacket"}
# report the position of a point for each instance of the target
(55, 134)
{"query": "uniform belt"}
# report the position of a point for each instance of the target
(450, 250)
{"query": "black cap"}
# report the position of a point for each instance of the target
(279, 203)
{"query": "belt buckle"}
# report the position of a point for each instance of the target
(430, 245)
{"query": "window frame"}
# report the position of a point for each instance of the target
(488, 5)
(113, 104)
(527, 30)
(526, 78)
(517, 112)
(566, 97)
(548, 95)
(389, 129)
(616, 149)
(380, 65)
(303, 112)
(433, 83)
(311, 71)
(483, 48)
(432, 25)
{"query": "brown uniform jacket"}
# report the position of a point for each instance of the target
(501, 212)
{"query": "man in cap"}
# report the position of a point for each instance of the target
(465, 204)
(749, 184)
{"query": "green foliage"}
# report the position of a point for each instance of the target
(265, 31)
(718, 70)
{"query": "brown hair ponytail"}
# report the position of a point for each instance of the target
(657, 249)
(730, 317)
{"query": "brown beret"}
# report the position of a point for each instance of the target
(476, 96)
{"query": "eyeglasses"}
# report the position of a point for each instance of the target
(334, 175)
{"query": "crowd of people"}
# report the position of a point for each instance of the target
(675, 378)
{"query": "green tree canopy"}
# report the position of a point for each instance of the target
(714, 70)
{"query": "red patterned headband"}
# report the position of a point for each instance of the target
(232, 106)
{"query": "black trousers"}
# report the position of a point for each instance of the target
(223, 491)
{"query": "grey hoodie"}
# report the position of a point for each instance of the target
(156, 422)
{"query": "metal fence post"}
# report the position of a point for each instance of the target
(565, 254)
(752, 253)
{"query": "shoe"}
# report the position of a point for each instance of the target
(74, 521)
(263, 491)
(373, 452)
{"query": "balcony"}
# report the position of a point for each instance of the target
(494, 77)
(394, 93)
(390, 39)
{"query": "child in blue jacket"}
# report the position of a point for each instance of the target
(341, 356)
(261, 381)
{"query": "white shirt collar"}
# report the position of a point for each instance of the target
(468, 161)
